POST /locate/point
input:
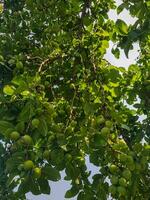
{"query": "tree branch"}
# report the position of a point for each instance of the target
(86, 6)
(48, 61)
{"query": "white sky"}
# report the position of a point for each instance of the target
(133, 54)
(58, 189)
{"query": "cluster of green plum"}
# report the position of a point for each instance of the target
(28, 165)
(119, 181)
(26, 140)
(133, 161)
(129, 164)
(101, 123)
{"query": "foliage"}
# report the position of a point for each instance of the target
(61, 101)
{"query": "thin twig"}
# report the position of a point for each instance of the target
(48, 61)
(85, 7)
(33, 58)
(71, 111)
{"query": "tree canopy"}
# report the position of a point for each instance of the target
(61, 101)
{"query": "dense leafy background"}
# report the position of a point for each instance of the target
(65, 101)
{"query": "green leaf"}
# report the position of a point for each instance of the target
(127, 46)
(26, 113)
(18, 80)
(71, 171)
(20, 126)
(81, 196)
(29, 184)
(34, 187)
(87, 21)
(9, 90)
(99, 140)
(124, 126)
(113, 74)
(121, 8)
(147, 147)
(89, 108)
(72, 192)
(57, 158)
(44, 186)
(51, 173)
(22, 85)
(24, 187)
(116, 52)
(6, 127)
(43, 128)
(14, 161)
(134, 68)
(122, 27)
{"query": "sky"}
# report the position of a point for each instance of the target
(58, 189)
(133, 54)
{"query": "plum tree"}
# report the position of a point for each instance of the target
(61, 100)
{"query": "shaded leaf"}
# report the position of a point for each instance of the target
(72, 192)
(6, 127)
(116, 52)
(124, 126)
(34, 187)
(51, 173)
(122, 27)
(121, 8)
(42, 128)
(44, 186)
(26, 113)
